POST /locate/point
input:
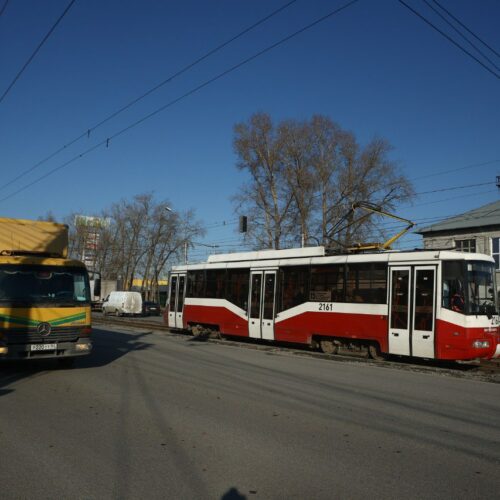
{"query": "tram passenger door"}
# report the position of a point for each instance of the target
(412, 311)
(176, 301)
(423, 312)
(399, 313)
(262, 304)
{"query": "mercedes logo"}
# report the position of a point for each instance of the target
(44, 329)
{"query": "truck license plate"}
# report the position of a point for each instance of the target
(43, 347)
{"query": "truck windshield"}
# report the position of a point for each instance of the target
(43, 285)
(481, 290)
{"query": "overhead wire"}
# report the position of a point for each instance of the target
(4, 6)
(466, 28)
(472, 44)
(394, 225)
(39, 46)
(434, 220)
(465, 186)
(184, 96)
(230, 222)
(459, 169)
(134, 101)
(442, 33)
(455, 188)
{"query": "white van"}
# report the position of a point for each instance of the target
(121, 303)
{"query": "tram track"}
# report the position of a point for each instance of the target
(485, 370)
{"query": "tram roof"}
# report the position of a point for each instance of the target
(289, 253)
(318, 255)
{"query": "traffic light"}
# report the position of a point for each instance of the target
(243, 223)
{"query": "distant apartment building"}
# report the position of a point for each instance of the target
(474, 231)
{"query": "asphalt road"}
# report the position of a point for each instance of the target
(149, 415)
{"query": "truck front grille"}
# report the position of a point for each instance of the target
(31, 336)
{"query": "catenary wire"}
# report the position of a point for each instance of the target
(454, 28)
(422, 221)
(454, 188)
(473, 165)
(184, 96)
(134, 101)
(411, 9)
(466, 28)
(45, 38)
(433, 191)
(4, 6)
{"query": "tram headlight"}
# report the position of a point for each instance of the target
(481, 344)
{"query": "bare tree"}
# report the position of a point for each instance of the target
(304, 176)
(299, 181)
(138, 238)
(258, 147)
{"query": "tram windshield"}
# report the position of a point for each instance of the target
(481, 293)
(469, 287)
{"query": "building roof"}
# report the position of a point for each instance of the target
(487, 215)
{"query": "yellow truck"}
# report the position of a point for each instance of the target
(44, 296)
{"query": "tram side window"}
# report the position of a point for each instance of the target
(294, 290)
(195, 284)
(453, 292)
(237, 287)
(327, 283)
(367, 283)
(215, 284)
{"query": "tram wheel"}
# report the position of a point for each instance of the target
(328, 347)
(196, 330)
(375, 353)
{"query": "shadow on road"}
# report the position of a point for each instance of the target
(233, 494)
(108, 346)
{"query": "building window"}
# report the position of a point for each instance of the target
(495, 252)
(465, 245)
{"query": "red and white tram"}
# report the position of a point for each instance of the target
(428, 304)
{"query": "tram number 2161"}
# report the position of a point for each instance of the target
(325, 306)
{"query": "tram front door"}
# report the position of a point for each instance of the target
(412, 308)
(261, 309)
(176, 300)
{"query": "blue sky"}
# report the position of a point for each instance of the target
(375, 68)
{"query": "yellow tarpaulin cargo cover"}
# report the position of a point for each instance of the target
(18, 235)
